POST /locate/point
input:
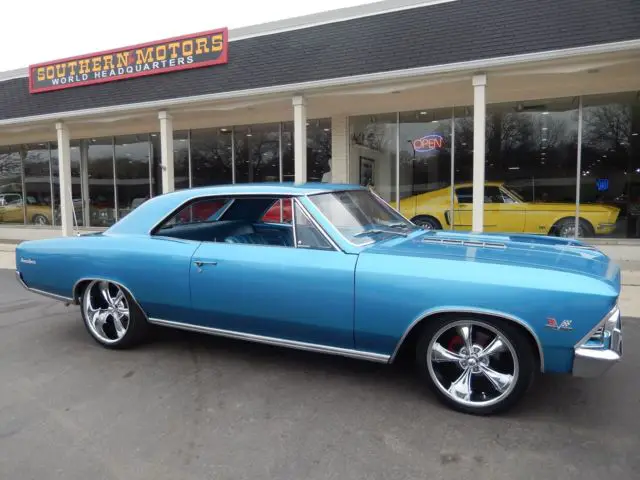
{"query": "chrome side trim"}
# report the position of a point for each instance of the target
(310, 347)
(54, 296)
(90, 279)
(493, 313)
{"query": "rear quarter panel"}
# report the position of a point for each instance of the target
(154, 269)
(393, 292)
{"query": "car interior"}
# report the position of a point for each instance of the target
(238, 221)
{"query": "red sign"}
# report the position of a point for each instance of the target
(179, 53)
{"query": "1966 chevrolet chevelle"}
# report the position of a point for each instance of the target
(347, 275)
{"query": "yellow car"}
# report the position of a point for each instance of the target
(12, 211)
(506, 211)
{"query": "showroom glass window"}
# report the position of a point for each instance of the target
(372, 153)
(610, 166)
(76, 183)
(181, 159)
(530, 167)
(211, 156)
(288, 163)
(101, 182)
(425, 167)
(132, 171)
(11, 194)
(319, 150)
(37, 183)
(257, 153)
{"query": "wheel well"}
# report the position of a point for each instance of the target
(408, 345)
(81, 285)
(78, 290)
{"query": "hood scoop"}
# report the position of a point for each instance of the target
(464, 243)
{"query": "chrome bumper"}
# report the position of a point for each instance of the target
(600, 349)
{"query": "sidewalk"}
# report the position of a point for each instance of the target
(629, 298)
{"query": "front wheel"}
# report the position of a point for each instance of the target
(474, 365)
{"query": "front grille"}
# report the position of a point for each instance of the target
(598, 335)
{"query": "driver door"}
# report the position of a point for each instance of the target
(303, 292)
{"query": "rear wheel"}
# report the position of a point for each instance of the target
(474, 365)
(427, 222)
(39, 219)
(112, 316)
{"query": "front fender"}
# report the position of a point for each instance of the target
(394, 292)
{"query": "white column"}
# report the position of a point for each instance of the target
(340, 149)
(84, 182)
(64, 169)
(300, 138)
(166, 152)
(479, 110)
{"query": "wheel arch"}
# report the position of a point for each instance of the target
(80, 286)
(412, 333)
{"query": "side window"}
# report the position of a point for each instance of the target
(204, 210)
(280, 212)
(307, 235)
(464, 194)
(492, 195)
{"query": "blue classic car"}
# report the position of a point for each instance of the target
(345, 274)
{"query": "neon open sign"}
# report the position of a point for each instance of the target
(428, 143)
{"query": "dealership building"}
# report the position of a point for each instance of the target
(483, 115)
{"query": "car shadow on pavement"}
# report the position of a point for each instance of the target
(555, 398)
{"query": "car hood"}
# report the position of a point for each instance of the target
(550, 253)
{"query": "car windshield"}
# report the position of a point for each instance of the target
(360, 216)
(514, 193)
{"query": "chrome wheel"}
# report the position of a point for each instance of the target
(106, 311)
(472, 363)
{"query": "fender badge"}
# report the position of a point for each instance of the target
(27, 260)
(553, 324)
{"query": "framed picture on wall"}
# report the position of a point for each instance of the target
(367, 172)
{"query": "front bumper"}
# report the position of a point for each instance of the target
(601, 348)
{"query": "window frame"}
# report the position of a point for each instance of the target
(232, 197)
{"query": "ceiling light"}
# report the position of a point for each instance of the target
(514, 168)
(545, 113)
(634, 134)
(423, 113)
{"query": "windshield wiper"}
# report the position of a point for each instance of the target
(379, 230)
(398, 225)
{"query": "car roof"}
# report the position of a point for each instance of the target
(144, 217)
(273, 188)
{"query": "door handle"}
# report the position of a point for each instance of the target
(200, 263)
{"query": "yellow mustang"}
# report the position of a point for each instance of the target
(506, 211)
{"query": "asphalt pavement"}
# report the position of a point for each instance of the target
(189, 406)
